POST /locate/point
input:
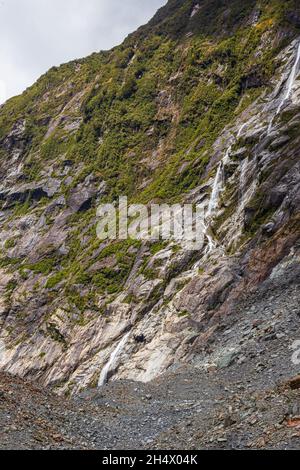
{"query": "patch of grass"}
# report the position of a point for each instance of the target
(11, 243)
(44, 266)
(55, 279)
(183, 314)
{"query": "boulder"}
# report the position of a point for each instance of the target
(227, 359)
(294, 383)
(82, 196)
(249, 214)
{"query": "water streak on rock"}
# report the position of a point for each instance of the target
(113, 360)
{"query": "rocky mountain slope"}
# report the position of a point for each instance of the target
(202, 105)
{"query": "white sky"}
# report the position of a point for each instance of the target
(37, 34)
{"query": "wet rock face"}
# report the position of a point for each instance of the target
(23, 194)
(15, 139)
(249, 215)
(294, 18)
(253, 80)
(68, 299)
(82, 196)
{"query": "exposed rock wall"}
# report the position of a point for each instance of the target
(57, 325)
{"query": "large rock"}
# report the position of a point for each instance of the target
(82, 196)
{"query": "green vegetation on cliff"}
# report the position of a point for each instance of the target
(142, 117)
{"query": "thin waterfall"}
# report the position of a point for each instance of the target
(2, 350)
(218, 184)
(220, 176)
(241, 130)
(112, 360)
(243, 177)
(213, 204)
(288, 88)
(218, 187)
(211, 243)
(291, 81)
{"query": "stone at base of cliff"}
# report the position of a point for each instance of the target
(294, 383)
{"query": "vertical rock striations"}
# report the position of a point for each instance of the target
(202, 105)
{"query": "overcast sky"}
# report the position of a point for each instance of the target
(37, 34)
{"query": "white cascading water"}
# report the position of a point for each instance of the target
(2, 349)
(246, 189)
(213, 204)
(218, 184)
(243, 166)
(113, 360)
(288, 88)
(243, 178)
(211, 243)
(218, 187)
(241, 130)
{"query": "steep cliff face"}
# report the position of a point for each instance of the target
(202, 105)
